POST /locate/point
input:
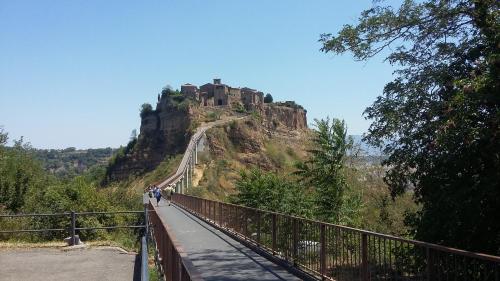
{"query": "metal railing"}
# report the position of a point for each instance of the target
(144, 259)
(169, 255)
(333, 252)
(70, 219)
(67, 219)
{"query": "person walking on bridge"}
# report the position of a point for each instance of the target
(157, 194)
(169, 191)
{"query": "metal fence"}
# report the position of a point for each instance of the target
(67, 222)
(71, 226)
(173, 261)
(333, 252)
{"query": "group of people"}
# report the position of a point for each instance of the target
(156, 192)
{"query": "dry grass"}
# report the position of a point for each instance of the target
(8, 245)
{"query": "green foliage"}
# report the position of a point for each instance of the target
(19, 172)
(26, 188)
(291, 104)
(168, 91)
(212, 116)
(281, 156)
(268, 98)
(324, 171)
(268, 191)
(70, 162)
(439, 119)
(239, 108)
(146, 109)
(256, 116)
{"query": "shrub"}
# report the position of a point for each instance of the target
(146, 109)
(268, 98)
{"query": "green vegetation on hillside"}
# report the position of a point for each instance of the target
(269, 191)
(245, 166)
(70, 162)
(26, 188)
(317, 188)
(439, 119)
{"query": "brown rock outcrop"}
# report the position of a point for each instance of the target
(291, 117)
(164, 132)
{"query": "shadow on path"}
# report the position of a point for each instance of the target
(137, 268)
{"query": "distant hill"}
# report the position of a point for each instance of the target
(70, 161)
(366, 149)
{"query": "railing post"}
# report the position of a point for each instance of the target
(322, 251)
(258, 228)
(221, 222)
(144, 259)
(73, 228)
(236, 226)
(295, 236)
(429, 263)
(273, 233)
(364, 257)
(146, 222)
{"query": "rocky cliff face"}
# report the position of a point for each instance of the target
(243, 145)
(275, 115)
(164, 132)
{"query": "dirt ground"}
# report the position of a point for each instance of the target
(102, 263)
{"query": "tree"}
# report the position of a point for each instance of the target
(324, 170)
(3, 137)
(439, 120)
(19, 173)
(146, 109)
(268, 98)
(268, 191)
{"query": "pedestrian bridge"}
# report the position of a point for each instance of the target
(199, 239)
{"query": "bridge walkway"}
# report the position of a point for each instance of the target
(216, 255)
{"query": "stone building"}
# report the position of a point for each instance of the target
(219, 94)
(190, 91)
(251, 98)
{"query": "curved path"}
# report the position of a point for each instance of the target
(187, 157)
(216, 255)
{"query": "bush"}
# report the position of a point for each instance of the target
(269, 191)
(268, 98)
(146, 109)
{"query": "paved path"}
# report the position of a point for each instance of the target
(216, 255)
(54, 264)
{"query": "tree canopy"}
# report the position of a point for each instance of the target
(439, 119)
(324, 171)
(268, 98)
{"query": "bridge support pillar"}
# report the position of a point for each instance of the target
(196, 153)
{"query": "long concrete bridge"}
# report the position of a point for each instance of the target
(199, 239)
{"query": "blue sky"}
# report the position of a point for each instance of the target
(74, 73)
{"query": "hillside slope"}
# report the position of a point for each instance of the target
(241, 145)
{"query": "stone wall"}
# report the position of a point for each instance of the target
(276, 115)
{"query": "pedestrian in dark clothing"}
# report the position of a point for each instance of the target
(157, 193)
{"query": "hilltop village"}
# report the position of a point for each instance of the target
(218, 94)
(165, 130)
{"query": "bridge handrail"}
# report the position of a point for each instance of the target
(144, 259)
(200, 131)
(174, 261)
(367, 251)
(72, 219)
